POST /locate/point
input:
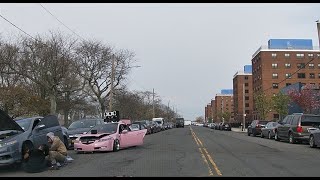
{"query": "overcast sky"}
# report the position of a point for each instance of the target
(187, 52)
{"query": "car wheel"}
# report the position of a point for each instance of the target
(262, 136)
(276, 137)
(291, 138)
(311, 142)
(25, 146)
(269, 135)
(116, 145)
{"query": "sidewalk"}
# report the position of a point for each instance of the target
(239, 130)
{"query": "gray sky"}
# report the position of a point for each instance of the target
(187, 52)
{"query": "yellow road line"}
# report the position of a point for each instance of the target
(212, 162)
(205, 160)
(198, 141)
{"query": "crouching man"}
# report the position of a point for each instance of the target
(57, 151)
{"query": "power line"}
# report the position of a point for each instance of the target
(61, 22)
(16, 26)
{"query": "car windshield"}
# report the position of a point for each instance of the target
(24, 123)
(88, 123)
(107, 128)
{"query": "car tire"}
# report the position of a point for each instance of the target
(262, 136)
(269, 135)
(291, 139)
(25, 145)
(276, 137)
(116, 145)
(312, 142)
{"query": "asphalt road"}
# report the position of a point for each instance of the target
(196, 152)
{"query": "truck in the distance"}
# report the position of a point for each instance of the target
(187, 122)
(179, 122)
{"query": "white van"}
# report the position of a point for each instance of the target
(160, 121)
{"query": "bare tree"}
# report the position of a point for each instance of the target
(95, 65)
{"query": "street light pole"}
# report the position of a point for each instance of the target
(243, 109)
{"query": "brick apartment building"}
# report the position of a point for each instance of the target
(277, 66)
(223, 103)
(208, 112)
(243, 95)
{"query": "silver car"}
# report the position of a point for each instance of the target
(17, 135)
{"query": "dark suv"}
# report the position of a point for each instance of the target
(255, 127)
(296, 127)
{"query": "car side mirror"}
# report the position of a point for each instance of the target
(40, 127)
(124, 131)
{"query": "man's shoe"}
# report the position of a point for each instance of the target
(54, 167)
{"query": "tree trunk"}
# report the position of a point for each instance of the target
(53, 104)
(66, 109)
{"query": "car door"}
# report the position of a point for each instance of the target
(39, 132)
(125, 136)
(280, 126)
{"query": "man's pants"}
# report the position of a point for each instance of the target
(55, 157)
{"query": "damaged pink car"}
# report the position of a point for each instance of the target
(109, 137)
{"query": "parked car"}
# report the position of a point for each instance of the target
(109, 137)
(255, 127)
(314, 138)
(296, 127)
(81, 126)
(136, 127)
(18, 135)
(146, 124)
(226, 127)
(269, 130)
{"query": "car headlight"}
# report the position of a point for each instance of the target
(8, 143)
(106, 139)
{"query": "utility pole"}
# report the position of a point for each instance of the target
(153, 112)
(243, 108)
(111, 90)
(318, 27)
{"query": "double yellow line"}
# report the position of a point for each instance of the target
(205, 155)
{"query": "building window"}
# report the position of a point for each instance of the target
(286, 55)
(247, 98)
(301, 65)
(301, 75)
(300, 56)
(274, 55)
(318, 75)
(275, 85)
(247, 104)
(247, 111)
(311, 66)
(274, 76)
(288, 84)
(288, 76)
(246, 78)
(246, 84)
(287, 65)
(310, 55)
(275, 116)
(246, 91)
(274, 66)
(318, 55)
(311, 75)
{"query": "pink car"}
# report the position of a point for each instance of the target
(109, 137)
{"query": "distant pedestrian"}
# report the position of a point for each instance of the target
(57, 151)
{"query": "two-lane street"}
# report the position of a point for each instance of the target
(194, 151)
